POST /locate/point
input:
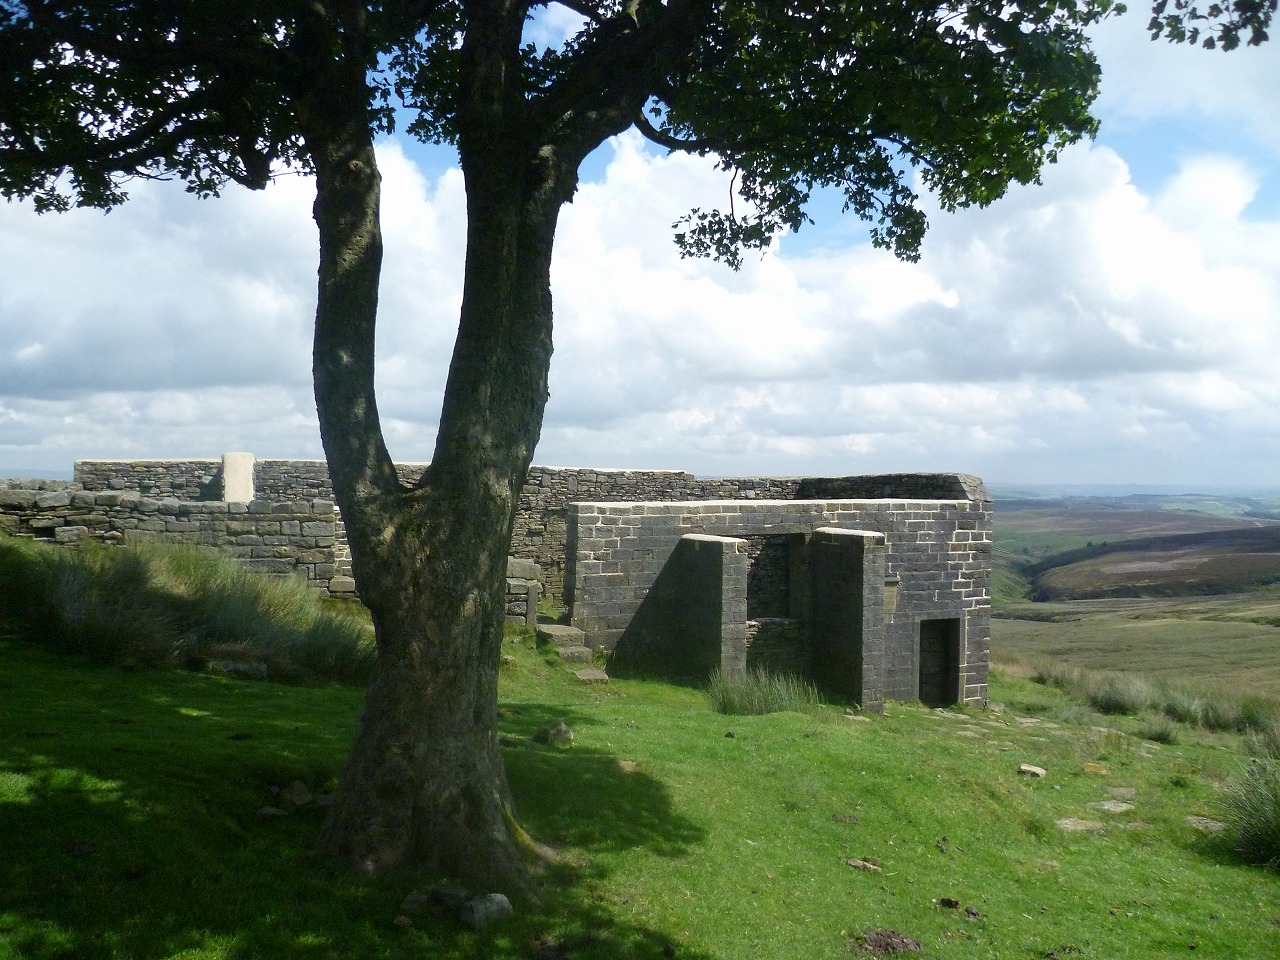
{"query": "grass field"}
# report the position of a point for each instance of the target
(1232, 642)
(1169, 559)
(129, 807)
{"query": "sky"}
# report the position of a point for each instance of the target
(1117, 324)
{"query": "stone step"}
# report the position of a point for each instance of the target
(560, 635)
(576, 654)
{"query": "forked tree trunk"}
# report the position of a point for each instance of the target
(424, 781)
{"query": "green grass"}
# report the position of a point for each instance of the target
(128, 804)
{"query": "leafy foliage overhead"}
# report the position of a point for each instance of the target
(1221, 25)
(792, 95)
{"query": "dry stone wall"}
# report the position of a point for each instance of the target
(181, 479)
(294, 537)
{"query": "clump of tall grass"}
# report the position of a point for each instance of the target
(1132, 695)
(1051, 673)
(1265, 740)
(1251, 809)
(164, 604)
(758, 691)
(1118, 693)
(1159, 728)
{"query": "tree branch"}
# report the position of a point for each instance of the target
(581, 8)
(651, 132)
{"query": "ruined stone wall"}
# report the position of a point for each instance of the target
(294, 537)
(540, 532)
(936, 566)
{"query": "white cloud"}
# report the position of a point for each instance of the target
(1089, 328)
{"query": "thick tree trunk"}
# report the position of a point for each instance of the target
(424, 781)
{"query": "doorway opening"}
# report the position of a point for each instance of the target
(939, 662)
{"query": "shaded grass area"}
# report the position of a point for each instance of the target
(129, 798)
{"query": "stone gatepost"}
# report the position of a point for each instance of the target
(846, 623)
(237, 477)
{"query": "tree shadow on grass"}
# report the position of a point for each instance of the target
(587, 798)
(129, 829)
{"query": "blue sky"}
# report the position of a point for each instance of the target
(1119, 323)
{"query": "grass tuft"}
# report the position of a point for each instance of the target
(1251, 810)
(154, 604)
(1117, 693)
(759, 692)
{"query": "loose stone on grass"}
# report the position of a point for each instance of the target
(1112, 806)
(557, 732)
(483, 911)
(1075, 825)
(1029, 770)
(591, 675)
(1206, 825)
(868, 866)
(883, 943)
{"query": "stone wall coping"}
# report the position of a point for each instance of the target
(215, 460)
(727, 506)
(708, 538)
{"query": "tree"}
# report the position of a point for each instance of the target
(790, 95)
(1222, 25)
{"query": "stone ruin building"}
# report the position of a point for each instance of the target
(875, 587)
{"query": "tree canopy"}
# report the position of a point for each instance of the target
(793, 95)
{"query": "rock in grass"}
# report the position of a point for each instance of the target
(1206, 825)
(1112, 806)
(1075, 825)
(296, 794)
(558, 732)
(1029, 770)
(869, 866)
(883, 943)
(488, 909)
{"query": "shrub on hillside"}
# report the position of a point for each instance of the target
(1265, 740)
(758, 692)
(1251, 810)
(1118, 693)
